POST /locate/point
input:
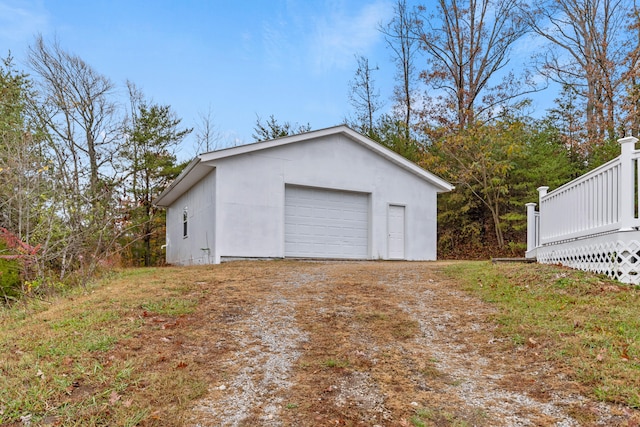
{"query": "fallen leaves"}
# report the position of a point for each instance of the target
(114, 397)
(624, 355)
(611, 288)
(601, 356)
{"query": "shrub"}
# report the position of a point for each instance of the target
(10, 283)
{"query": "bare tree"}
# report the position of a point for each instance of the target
(207, 135)
(592, 52)
(363, 96)
(76, 111)
(467, 43)
(23, 166)
(401, 34)
(632, 101)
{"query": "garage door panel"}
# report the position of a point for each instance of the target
(303, 211)
(334, 213)
(334, 231)
(326, 223)
(351, 233)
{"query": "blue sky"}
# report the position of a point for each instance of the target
(290, 58)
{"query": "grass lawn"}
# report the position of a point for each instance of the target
(128, 350)
(586, 322)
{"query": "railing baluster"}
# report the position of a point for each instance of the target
(609, 198)
(636, 189)
(616, 193)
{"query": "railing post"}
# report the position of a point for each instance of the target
(542, 191)
(627, 187)
(531, 226)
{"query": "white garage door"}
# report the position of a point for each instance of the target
(326, 223)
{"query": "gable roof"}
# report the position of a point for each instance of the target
(204, 163)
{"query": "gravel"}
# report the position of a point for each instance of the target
(471, 378)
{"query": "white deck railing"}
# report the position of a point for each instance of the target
(602, 201)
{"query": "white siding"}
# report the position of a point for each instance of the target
(198, 246)
(239, 209)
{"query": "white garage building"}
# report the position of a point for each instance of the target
(331, 193)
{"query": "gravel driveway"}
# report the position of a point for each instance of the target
(372, 344)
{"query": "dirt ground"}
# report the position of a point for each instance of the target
(285, 343)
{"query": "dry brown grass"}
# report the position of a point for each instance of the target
(281, 343)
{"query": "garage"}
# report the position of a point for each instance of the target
(326, 194)
(323, 223)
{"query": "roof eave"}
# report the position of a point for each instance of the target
(207, 160)
(163, 200)
(441, 185)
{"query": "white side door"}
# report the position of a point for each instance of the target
(395, 226)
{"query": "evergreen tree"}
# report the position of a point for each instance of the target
(271, 129)
(149, 156)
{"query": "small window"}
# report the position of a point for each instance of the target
(185, 221)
